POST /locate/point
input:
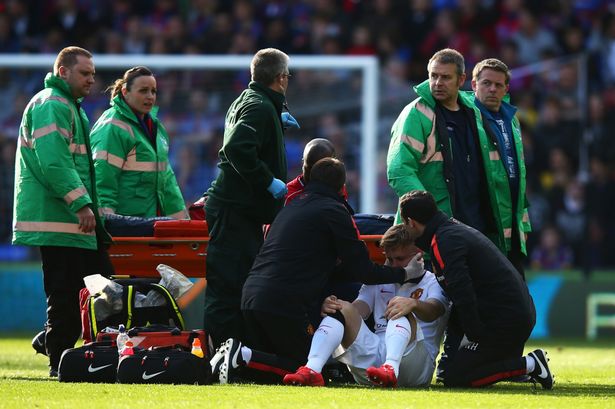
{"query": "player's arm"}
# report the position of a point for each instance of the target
(428, 310)
(331, 304)
(356, 266)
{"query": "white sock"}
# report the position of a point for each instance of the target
(246, 354)
(530, 364)
(326, 338)
(396, 338)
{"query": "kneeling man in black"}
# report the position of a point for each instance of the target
(490, 298)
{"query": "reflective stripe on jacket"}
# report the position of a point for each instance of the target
(415, 161)
(132, 177)
(54, 171)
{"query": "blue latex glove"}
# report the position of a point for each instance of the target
(277, 188)
(288, 121)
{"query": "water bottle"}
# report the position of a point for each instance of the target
(121, 339)
(128, 349)
(196, 348)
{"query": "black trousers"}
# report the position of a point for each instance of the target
(476, 365)
(233, 245)
(452, 339)
(279, 345)
(496, 358)
(63, 272)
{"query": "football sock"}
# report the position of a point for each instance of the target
(326, 338)
(530, 364)
(396, 338)
(246, 354)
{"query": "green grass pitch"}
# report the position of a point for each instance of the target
(585, 378)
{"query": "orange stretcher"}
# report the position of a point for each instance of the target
(181, 244)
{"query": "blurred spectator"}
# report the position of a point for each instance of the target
(600, 196)
(555, 131)
(445, 34)
(8, 147)
(218, 37)
(607, 48)
(362, 42)
(551, 253)
(193, 173)
(508, 22)
(572, 39)
(560, 173)
(9, 43)
(417, 24)
(26, 27)
(346, 151)
(531, 38)
(135, 38)
(539, 211)
(571, 218)
(600, 126)
(478, 20)
(72, 24)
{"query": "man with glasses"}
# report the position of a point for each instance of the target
(248, 192)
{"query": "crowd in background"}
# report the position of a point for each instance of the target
(562, 54)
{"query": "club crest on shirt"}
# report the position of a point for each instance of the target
(416, 294)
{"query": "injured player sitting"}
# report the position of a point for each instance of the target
(409, 323)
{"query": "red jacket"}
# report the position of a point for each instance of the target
(297, 185)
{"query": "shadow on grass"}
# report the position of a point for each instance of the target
(29, 378)
(564, 390)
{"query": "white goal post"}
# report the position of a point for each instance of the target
(368, 65)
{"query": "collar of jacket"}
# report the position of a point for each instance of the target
(322, 189)
(422, 90)
(55, 82)
(277, 98)
(424, 241)
(122, 106)
(507, 110)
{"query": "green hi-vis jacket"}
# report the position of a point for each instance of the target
(253, 153)
(416, 161)
(132, 177)
(54, 173)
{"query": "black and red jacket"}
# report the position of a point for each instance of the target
(491, 300)
(312, 240)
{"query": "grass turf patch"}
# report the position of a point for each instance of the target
(585, 378)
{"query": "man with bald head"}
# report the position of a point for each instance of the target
(314, 150)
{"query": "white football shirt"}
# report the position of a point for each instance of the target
(378, 296)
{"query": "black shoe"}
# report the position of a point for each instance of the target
(38, 343)
(53, 373)
(231, 362)
(541, 373)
